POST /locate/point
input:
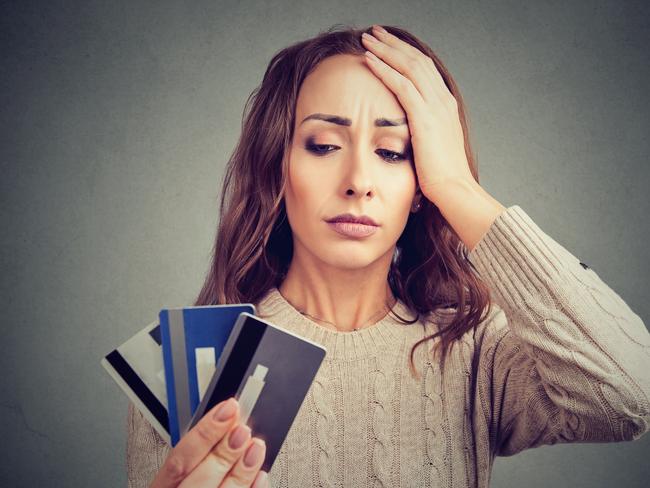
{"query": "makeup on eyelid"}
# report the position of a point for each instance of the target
(320, 149)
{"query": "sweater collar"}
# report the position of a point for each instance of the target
(385, 334)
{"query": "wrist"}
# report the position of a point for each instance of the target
(467, 207)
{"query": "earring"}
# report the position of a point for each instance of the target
(416, 207)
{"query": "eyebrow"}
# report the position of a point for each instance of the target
(337, 119)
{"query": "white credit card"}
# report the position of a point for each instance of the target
(138, 369)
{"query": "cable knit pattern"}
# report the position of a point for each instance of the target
(561, 358)
(436, 436)
(381, 444)
(325, 421)
(466, 351)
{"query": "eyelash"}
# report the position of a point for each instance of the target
(313, 148)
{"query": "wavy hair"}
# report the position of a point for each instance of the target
(430, 271)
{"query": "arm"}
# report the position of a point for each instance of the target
(145, 450)
(564, 359)
(572, 364)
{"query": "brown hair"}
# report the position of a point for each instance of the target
(253, 247)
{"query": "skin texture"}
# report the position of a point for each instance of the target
(341, 279)
(436, 133)
(204, 457)
(344, 280)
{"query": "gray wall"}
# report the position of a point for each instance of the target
(117, 120)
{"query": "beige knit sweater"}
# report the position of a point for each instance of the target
(562, 358)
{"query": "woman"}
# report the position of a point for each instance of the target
(530, 347)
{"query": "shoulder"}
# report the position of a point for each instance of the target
(493, 325)
(482, 340)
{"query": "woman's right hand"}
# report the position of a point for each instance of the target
(217, 452)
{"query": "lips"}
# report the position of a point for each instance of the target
(353, 229)
(354, 219)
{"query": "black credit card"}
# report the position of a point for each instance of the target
(269, 371)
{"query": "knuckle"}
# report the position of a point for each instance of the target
(405, 84)
(228, 454)
(452, 102)
(239, 480)
(412, 65)
(243, 475)
(175, 469)
(222, 463)
(207, 431)
(245, 483)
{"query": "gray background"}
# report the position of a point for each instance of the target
(117, 119)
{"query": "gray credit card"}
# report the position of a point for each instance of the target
(269, 371)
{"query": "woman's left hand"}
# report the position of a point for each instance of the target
(432, 111)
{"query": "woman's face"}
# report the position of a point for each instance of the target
(358, 167)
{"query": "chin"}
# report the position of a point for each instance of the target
(349, 259)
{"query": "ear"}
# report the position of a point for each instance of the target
(417, 200)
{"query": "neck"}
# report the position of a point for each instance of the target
(347, 299)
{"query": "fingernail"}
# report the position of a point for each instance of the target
(225, 411)
(379, 28)
(371, 56)
(239, 436)
(368, 37)
(253, 454)
(262, 480)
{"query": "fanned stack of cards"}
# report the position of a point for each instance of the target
(179, 367)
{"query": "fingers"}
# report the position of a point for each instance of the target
(412, 64)
(236, 449)
(406, 67)
(405, 91)
(247, 467)
(393, 40)
(262, 480)
(196, 444)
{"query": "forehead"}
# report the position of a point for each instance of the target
(345, 86)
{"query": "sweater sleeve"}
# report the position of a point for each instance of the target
(145, 450)
(564, 358)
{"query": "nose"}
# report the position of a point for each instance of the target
(358, 179)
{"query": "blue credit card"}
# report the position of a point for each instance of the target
(193, 339)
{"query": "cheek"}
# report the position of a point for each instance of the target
(302, 191)
(399, 190)
(301, 181)
(310, 180)
(305, 194)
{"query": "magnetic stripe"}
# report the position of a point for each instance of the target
(179, 360)
(139, 387)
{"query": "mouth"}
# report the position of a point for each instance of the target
(351, 229)
(353, 226)
(354, 219)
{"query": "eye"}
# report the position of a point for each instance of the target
(392, 155)
(318, 149)
(385, 154)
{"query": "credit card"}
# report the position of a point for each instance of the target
(193, 339)
(137, 367)
(269, 371)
